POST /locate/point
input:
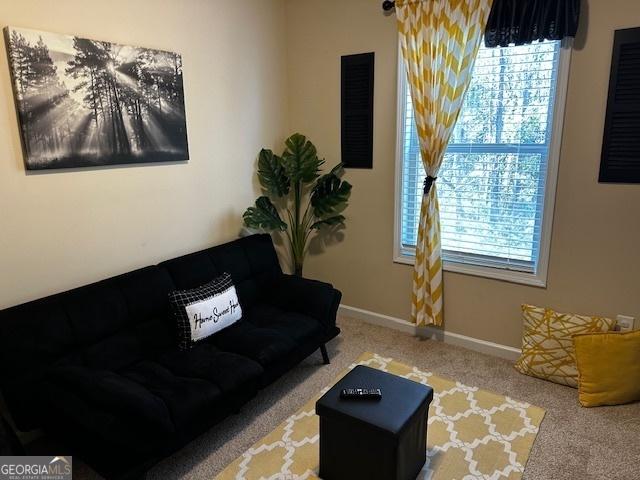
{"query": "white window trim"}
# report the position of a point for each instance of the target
(406, 255)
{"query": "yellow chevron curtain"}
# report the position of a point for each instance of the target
(439, 41)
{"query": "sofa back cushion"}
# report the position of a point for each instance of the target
(251, 261)
(143, 330)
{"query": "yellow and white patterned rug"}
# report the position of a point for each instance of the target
(472, 434)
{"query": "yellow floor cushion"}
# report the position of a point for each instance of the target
(609, 368)
(547, 343)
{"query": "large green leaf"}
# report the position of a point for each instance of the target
(330, 195)
(338, 170)
(263, 215)
(271, 174)
(331, 221)
(300, 159)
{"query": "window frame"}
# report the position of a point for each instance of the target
(406, 255)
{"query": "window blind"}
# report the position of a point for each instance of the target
(491, 185)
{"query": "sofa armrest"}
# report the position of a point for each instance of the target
(318, 300)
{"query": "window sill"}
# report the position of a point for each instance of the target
(532, 279)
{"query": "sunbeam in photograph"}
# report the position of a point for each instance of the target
(85, 103)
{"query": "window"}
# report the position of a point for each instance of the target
(496, 185)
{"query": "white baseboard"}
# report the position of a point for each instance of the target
(482, 346)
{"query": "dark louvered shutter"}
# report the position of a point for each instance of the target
(620, 161)
(357, 110)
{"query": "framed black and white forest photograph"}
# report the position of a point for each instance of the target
(84, 103)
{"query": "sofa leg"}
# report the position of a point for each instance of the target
(325, 355)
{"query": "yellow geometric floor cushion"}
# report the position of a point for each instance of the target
(609, 368)
(547, 343)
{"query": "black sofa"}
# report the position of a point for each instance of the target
(98, 367)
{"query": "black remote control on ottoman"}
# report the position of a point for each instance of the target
(361, 393)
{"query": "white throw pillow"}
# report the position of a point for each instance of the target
(201, 312)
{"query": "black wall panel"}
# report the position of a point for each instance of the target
(620, 161)
(357, 110)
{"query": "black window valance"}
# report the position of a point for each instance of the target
(525, 21)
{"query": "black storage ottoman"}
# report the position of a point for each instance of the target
(374, 439)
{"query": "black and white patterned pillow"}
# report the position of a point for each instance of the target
(201, 312)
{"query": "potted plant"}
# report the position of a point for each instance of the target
(291, 180)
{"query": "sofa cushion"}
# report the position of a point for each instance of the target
(118, 350)
(190, 401)
(251, 261)
(98, 432)
(297, 327)
(262, 257)
(121, 320)
(268, 334)
(264, 345)
(96, 311)
(170, 399)
(192, 270)
(232, 258)
(106, 318)
(145, 293)
(230, 372)
(114, 393)
(315, 299)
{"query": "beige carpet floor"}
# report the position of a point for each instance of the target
(573, 442)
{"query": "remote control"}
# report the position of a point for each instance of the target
(361, 393)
